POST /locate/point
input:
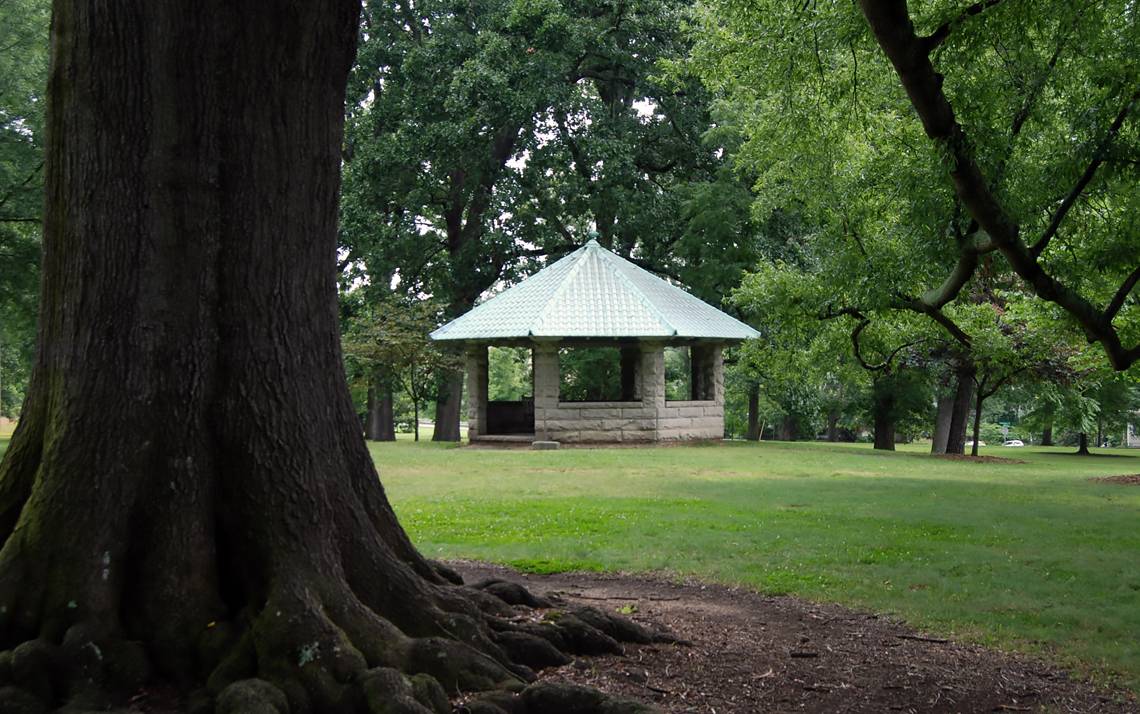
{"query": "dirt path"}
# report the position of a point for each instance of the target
(753, 653)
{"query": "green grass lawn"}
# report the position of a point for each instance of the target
(1024, 556)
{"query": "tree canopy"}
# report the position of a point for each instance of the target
(936, 148)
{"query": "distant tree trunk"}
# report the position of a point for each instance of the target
(788, 428)
(416, 419)
(977, 422)
(963, 400)
(448, 407)
(884, 432)
(379, 422)
(833, 426)
(942, 419)
(754, 427)
(1047, 432)
(1083, 448)
(883, 416)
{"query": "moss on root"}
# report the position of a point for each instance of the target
(326, 652)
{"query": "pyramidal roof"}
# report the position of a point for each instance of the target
(594, 293)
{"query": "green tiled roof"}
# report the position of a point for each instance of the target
(594, 293)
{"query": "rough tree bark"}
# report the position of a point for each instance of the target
(380, 422)
(754, 429)
(188, 495)
(1047, 432)
(448, 407)
(963, 398)
(942, 419)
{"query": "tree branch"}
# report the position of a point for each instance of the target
(931, 41)
(1090, 171)
(858, 351)
(885, 365)
(936, 314)
(1122, 294)
(27, 180)
(1000, 383)
(938, 298)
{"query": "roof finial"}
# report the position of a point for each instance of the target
(593, 234)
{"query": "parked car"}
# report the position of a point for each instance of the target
(1014, 442)
(970, 443)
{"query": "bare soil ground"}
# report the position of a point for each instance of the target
(1127, 480)
(979, 459)
(749, 652)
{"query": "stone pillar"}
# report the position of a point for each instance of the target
(653, 374)
(652, 382)
(547, 378)
(717, 359)
(476, 390)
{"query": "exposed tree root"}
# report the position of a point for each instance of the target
(323, 650)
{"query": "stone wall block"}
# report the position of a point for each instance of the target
(598, 435)
(600, 412)
(647, 425)
(674, 423)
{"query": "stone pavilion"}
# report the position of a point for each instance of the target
(595, 298)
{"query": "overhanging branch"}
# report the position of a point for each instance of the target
(1122, 294)
(931, 41)
(890, 23)
(1086, 177)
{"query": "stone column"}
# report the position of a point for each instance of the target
(546, 383)
(652, 382)
(476, 391)
(653, 374)
(717, 358)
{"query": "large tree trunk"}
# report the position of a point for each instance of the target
(188, 492)
(833, 426)
(884, 432)
(789, 428)
(448, 407)
(1047, 433)
(963, 399)
(1083, 445)
(380, 422)
(753, 433)
(942, 419)
(883, 415)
